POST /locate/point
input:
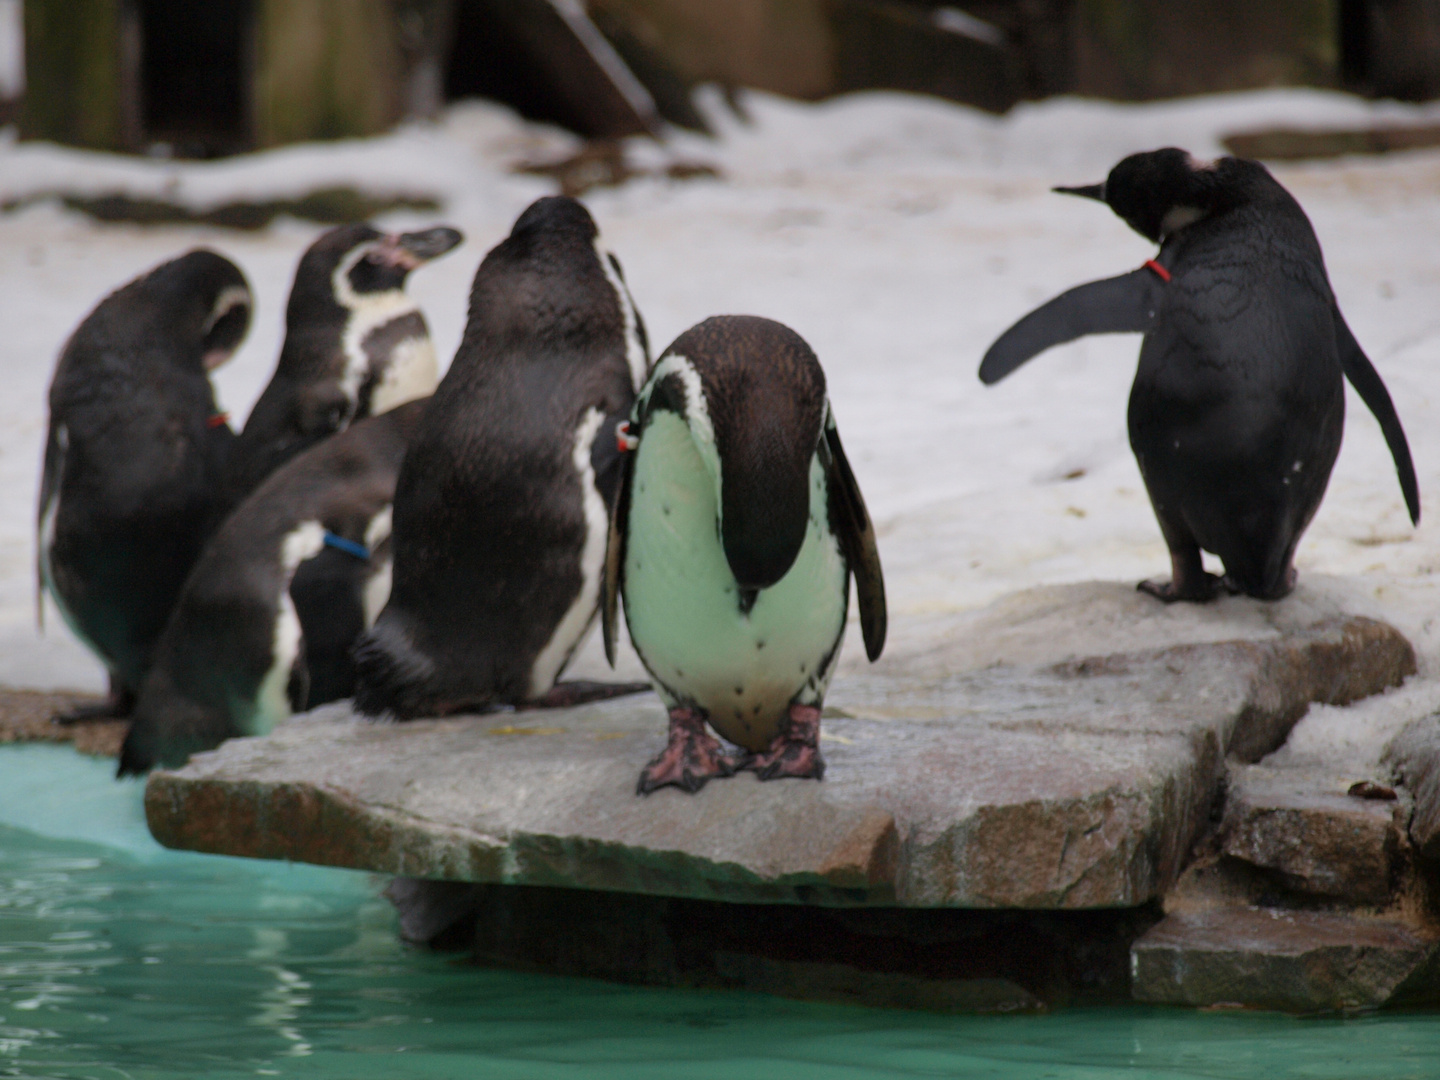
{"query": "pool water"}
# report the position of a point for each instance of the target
(119, 959)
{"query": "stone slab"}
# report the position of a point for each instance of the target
(1080, 784)
(1295, 961)
(1303, 824)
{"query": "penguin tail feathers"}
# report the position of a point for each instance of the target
(392, 676)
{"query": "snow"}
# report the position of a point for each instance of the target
(898, 235)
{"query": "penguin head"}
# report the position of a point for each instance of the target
(551, 281)
(351, 265)
(202, 299)
(1160, 192)
(753, 396)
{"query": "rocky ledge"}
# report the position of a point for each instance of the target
(1062, 753)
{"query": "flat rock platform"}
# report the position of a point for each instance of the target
(1060, 749)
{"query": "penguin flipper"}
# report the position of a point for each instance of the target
(851, 522)
(1118, 305)
(1367, 383)
(615, 556)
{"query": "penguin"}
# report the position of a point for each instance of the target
(250, 642)
(134, 459)
(356, 344)
(500, 518)
(1238, 405)
(735, 529)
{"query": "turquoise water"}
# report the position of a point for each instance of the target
(119, 959)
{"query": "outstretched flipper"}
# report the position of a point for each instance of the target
(1366, 381)
(851, 522)
(1118, 305)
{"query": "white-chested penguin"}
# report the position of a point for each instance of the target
(134, 458)
(1238, 405)
(500, 510)
(734, 532)
(356, 344)
(247, 646)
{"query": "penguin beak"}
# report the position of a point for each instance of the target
(422, 246)
(1089, 191)
(407, 251)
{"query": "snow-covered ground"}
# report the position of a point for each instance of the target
(898, 235)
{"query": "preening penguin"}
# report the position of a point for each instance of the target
(267, 619)
(134, 457)
(734, 532)
(500, 510)
(356, 344)
(1238, 405)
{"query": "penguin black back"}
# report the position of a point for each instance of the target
(1237, 410)
(133, 456)
(500, 510)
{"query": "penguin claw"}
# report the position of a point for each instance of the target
(795, 751)
(691, 758)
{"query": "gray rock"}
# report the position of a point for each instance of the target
(1040, 785)
(1302, 823)
(1296, 961)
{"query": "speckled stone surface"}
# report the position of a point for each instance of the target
(1076, 777)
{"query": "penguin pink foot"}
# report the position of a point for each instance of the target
(795, 751)
(692, 756)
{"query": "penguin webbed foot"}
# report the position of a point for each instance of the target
(1167, 592)
(117, 705)
(795, 751)
(692, 756)
(564, 695)
(1188, 580)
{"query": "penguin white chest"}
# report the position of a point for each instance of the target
(683, 607)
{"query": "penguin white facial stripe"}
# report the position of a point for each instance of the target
(635, 357)
(368, 312)
(697, 415)
(582, 611)
(1177, 217)
(412, 372)
(231, 297)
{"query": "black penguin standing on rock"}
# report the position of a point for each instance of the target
(356, 344)
(134, 458)
(500, 511)
(1238, 405)
(251, 640)
(735, 530)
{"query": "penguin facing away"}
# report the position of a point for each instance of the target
(356, 344)
(250, 641)
(134, 459)
(500, 517)
(1238, 406)
(734, 532)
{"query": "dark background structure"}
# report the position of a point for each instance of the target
(213, 78)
